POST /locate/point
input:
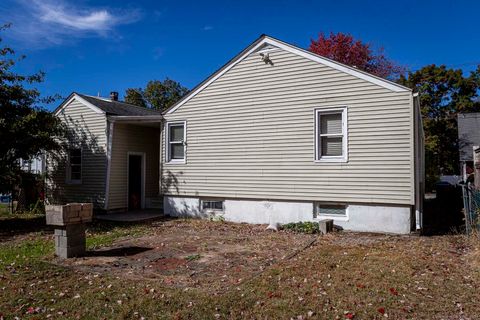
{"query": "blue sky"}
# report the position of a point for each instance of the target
(98, 46)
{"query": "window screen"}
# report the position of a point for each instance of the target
(176, 141)
(331, 134)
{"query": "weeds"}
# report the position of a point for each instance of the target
(302, 227)
(192, 257)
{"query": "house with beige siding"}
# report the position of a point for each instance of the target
(111, 158)
(276, 135)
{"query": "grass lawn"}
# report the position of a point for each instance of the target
(4, 209)
(190, 269)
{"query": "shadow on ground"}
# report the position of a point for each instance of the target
(118, 252)
(15, 225)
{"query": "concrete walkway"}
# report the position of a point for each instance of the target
(131, 216)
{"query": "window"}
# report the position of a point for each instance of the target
(331, 135)
(74, 166)
(330, 210)
(176, 142)
(210, 204)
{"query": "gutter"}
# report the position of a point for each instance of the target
(153, 118)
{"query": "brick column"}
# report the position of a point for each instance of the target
(69, 221)
(70, 241)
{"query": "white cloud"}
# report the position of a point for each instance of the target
(207, 28)
(53, 22)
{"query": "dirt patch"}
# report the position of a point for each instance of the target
(202, 254)
(169, 264)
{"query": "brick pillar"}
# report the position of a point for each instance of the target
(70, 240)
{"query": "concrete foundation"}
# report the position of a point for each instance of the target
(368, 218)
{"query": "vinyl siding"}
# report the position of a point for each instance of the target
(250, 134)
(88, 130)
(468, 134)
(132, 138)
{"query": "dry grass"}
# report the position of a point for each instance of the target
(208, 270)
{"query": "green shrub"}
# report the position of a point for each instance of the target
(37, 207)
(302, 227)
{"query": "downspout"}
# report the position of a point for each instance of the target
(110, 125)
(418, 164)
(160, 161)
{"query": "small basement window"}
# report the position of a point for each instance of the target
(212, 204)
(330, 210)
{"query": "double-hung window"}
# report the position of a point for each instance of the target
(331, 135)
(176, 142)
(74, 166)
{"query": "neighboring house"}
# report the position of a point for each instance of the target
(113, 154)
(468, 138)
(278, 134)
(35, 165)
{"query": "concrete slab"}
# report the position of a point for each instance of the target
(131, 216)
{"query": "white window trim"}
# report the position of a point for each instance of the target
(344, 157)
(330, 216)
(69, 179)
(168, 160)
(212, 200)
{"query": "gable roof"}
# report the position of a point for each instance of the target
(108, 107)
(468, 134)
(267, 43)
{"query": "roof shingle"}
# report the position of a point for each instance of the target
(119, 108)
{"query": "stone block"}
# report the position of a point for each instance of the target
(71, 213)
(70, 241)
(73, 229)
(59, 232)
(326, 226)
(70, 252)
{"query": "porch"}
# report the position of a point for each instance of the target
(133, 177)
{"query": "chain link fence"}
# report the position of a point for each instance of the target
(471, 208)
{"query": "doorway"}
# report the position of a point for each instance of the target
(136, 180)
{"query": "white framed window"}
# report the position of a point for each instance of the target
(212, 204)
(331, 135)
(74, 166)
(176, 133)
(334, 211)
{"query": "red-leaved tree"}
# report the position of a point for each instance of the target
(344, 48)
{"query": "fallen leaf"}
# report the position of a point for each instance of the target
(394, 291)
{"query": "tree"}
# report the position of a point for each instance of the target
(443, 94)
(135, 97)
(344, 48)
(159, 95)
(26, 129)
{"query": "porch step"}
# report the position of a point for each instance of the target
(154, 203)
